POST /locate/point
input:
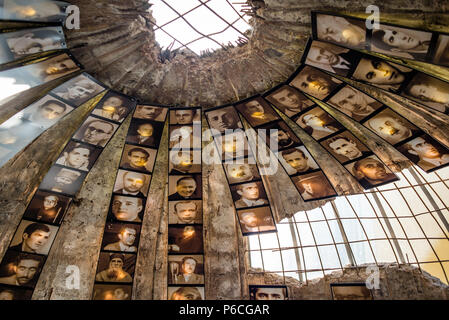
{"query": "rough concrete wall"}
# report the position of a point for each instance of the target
(395, 283)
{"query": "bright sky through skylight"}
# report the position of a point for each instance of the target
(198, 24)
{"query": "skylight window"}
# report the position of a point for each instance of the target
(199, 25)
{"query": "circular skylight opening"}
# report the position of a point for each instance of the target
(201, 26)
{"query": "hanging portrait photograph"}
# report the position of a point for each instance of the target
(79, 89)
(33, 237)
(314, 186)
(145, 133)
(370, 172)
(150, 112)
(350, 291)
(256, 220)
(441, 55)
(297, 160)
(330, 57)
(429, 91)
(112, 292)
(401, 42)
(121, 237)
(425, 152)
(391, 127)
(10, 292)
(381, 73)
(315, 82)
(47, 207)
(185, 269)
(114, 106)
(21, 269)
(354, 103)
(126, 208)
(242, 171)
(185, 187)
(184, 162)
(115, 267)
(33, 10)
(78, 155)
(183, 116)
(345, 147)
(346, 31)
(233, 146)
(224, 119)
(185, 293)
(261, 292)
(249, 194)
(138, 158)
(185, 212)
(96, 131)
(318, 123)
(185, 239)
(289, 100)
(63, 180)
(132, 183)
(257, 112)
(185, 137)
(18, 44)
(279, 136)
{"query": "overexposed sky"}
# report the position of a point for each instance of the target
(202, 19)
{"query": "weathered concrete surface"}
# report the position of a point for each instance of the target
(22, 174)
(79, 238)
(395, 283)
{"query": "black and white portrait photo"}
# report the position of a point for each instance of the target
(371, 172)
(132, 183)
(289, 100)
(242, 171)
(20, 268)
(121, 237)
(279, 136)
(78, 90)
(345, 147)
(79, 156)
(127, 208)
(138, 158)
(315, 82)
(184, 116)
(257, 292)
(149, 112)
(64, 180)
(185, 212)
(184, 161)
(114, 106)
(115, 267)
(257, 111)
(184, 187)
(96, 131)
(34, 10)
(185, 137)
(249, 194)
(185, 269)
(112, 292)
(33, 237)
(313, 186)
(185, 293)
(224, 119)
(185, 239)
(297, 160)
(145, 133)
(318, 123)
(255, 220)
(47, 207)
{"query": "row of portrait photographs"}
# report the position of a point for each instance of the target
(24, 77)
(268, 292)
(33, 10)
(19, 44)
(388, 39)
(414, 85)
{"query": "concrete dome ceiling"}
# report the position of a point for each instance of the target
(116, 44)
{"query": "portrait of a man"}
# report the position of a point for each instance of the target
(125, 208)
(342, 30)
(289, 100)
(184, 187)
(318, 123)
(331, 58)
(36, 10)
(441, 55)
(185, 212)
(343, 291)
(257, 112)
(186, 293)
(138, 158)
(33, 237)
(345, 147)
(297, 160)
(223, 119)
(390, 126)
(185, 239)
(185, 137)
(313, 186)
(241, 172)
(9, 293)
(185, 269)
(63, 180)
(184, 116)
(426, 152)
(279, 136)
(79, 156)
(315, 82)
(147, 112)
(380, 73)
(54, 68)
(115, 267)
(268, 292)
(371, 172)
(429, 91)
(184, 162)
(78, 90)
(121, 237)
(112, 292)
(233, 145)
(113, 107)
(47, 207)
(354, 103)
(401, 42)
(96, 131)
(249, 195)
(132, 183)
(256, 220)
(20, 269)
